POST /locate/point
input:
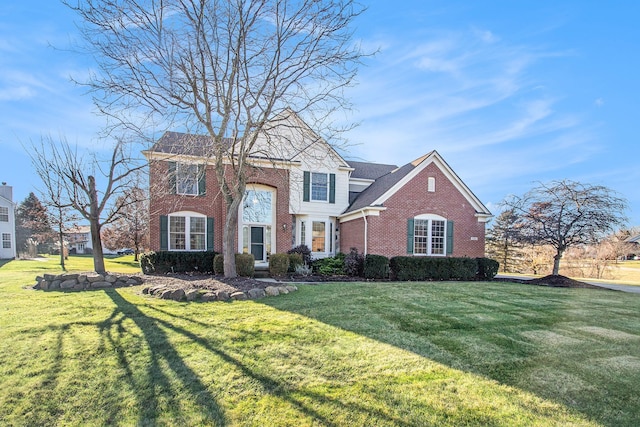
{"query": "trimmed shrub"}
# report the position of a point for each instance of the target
(487, 268)
(162, 262)
(245, 265)
(218, 264)
(278, 264)
(376, 267)
(304, 251)
(432, 268)
(329, 266)
(295, 260)
(354, 263)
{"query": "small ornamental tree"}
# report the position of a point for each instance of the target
(566, 213)
(32, 222)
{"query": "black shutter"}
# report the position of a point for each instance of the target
(306, 187)
(202, 180)
(172, 177)
(449, 237)
(410, 236)
(209, 233)
(332, 188)
(164, 233)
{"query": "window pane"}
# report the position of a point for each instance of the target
(257, 206)
(303, 233)
(6, 240)
(186, 179)
(420, 236)
(177, 233)
(319, 186)
(4, 214)
(437, 237)
(197, 233)
(318, 237)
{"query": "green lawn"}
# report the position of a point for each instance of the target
(333, 354)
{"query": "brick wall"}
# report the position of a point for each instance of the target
(388, 232)
(212, 204)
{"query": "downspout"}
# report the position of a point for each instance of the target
(366, 231)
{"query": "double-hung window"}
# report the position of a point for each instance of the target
(429, 234)
(187, 233)
(319, 187)
(186, 179)
(6, 240)
(4, 214)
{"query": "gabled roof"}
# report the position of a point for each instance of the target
(184, 144)
(387, 185)
(373, 171)
(633, 239)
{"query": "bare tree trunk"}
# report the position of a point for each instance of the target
(556, 262)
(94, 223)
(228, 238)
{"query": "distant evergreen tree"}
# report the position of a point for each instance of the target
(502, 241)
(32, 222)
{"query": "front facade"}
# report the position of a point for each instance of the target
(78, 240)
(303, 192)
(7, 223)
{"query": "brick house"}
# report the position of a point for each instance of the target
(302, 191)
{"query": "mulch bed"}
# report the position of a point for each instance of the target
(554, 281)
(202, 281)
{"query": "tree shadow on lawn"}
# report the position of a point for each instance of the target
(157, 388)
(446, 331)
(304, 401)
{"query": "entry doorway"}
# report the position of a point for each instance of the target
(256, 243)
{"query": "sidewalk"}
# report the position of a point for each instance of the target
(623, 288)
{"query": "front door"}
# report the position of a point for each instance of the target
(257, 243)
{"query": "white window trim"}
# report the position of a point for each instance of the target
(187, 230)
(326, 199)
(4, 214)
(430, 218)
(6, 239)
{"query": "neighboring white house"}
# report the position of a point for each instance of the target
(78, 240)
(7, 223)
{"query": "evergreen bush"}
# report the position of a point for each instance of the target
(376, 267)
(278, 264)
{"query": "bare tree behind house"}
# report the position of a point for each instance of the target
(225, 69)
(70, 178)
(567, 213)
(131, 228)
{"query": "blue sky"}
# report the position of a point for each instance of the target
(509, 93)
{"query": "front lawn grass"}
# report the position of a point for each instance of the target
(332, 354)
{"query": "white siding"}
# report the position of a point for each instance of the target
(8, 228)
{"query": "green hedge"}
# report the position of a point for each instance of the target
(330, 266)
(430, 268)
(162, 262)
(245, 265)
(278, 264)
(376, 267)
(295, 259)
(487, 268)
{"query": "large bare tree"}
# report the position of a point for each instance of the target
(222, 68)
(86, 184)
(567, 213)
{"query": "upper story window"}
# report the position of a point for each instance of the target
(319, 187)
(187, 179)
(4, 214)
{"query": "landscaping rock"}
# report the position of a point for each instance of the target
(291, 288)
(283, 290)
(99, 285)
(208, 296)
(82, 278)
(68, 284)
(191, 294)
(110, 278)
(166, 294)
(239, 296)
(95, 277)
(55, 284)
(67, 276)
(222, 295)
(256, 293)
(177, 294)
(49, 277)
(272, 291)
